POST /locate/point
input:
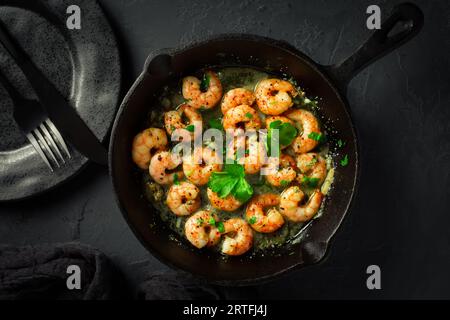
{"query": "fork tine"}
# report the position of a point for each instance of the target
(38, 148)
(42, 141)
(58, 137)
(50, 141)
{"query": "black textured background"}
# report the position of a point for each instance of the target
(401, 217)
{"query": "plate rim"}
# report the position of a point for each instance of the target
(83, 161)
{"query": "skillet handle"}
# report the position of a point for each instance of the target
(380, 43)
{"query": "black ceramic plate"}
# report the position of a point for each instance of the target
(85, 66)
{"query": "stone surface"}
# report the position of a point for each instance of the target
(400, 105)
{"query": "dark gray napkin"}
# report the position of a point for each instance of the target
(40, 272)
(176, 286)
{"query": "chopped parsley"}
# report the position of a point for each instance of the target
(190, 128)
(204, 84)
(212, 221)
(200, 221)
(215, 124)
(284, 183)
(344, 161)
(310, 182)
(316, 136)
(176, 181)
(252, 220)
(313, 162)
(340, 143)
(220, 227)
(249, 115)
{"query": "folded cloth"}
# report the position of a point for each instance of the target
(176, 286)
(41, 272)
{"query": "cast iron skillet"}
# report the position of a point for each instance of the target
(327, 82)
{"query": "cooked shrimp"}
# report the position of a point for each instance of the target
(198, 99)
(303, 143)
(290, 207)
(261, 221)
(249, 152)
(228, 203)
(253, 159)
(174, 120)
(237, 97)
(238, 237)
(183, 199)
(200, 165)
(281, 171)
(161, 164)
(146, 144)
(199, 230)
(274, 96)
(241, 117)
(271, 119)
(312, 165)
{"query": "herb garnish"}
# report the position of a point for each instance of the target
(344, 161)
(249, 115)
(190, 128)
(316, 136)
(231, 181)
(212, 221)
(284, 183)
(220, 227)
(199, 221)
(252, 220)
(204, 85)
(310, 182)
(176, 181)
(216, 124)
(287, 134)
(340, 143)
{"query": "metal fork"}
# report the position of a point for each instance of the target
(37, 127)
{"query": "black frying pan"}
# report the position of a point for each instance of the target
(327, 82)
